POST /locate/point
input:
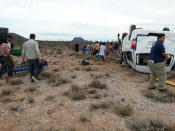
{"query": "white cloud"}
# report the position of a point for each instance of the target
(92, 19)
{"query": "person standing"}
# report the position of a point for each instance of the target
(10, 42)
(157, 62)
(6, 59)
(84, 50)
(11, 46)
(111, 49)
(115, 49)
(96, 48)
(31, 53)
(102, 51)
(77, 47)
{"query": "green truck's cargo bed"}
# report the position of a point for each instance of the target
(16, 52)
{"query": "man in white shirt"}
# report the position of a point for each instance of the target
(9, 42)
(102, 51)
(31, 53)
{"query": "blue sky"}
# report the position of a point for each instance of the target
(90, 19)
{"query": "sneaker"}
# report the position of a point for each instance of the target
(162, 90)
(152, 88)
(33, 78)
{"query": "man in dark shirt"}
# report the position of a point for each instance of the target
(115, 49)
(157, 61)
(77, 47)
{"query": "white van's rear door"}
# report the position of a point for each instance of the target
(145, 43)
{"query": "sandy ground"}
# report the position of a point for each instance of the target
(124, 85)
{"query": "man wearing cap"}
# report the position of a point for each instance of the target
(31, 53)
(9, 42)
(157, 62)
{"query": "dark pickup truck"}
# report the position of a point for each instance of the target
(3, 33)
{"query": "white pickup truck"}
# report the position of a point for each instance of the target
(137, 45)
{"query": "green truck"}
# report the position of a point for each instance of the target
(3, 36)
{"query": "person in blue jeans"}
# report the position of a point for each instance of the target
(84, 49)
(31, 53)
(35, 68)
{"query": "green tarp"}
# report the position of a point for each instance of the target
(16, 52)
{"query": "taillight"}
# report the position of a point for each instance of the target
(133, 46)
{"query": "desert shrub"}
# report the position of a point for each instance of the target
(97, 84)
(57, 80)
(74, 76)
(96, 96)
(30, 89)
(83, 119)
(87, 68)
(16, 108)
(171, 92)
(149, 125)
(107, 74)
(77, 68)
(50, 98)
(77, 93)
(66, 93)
(101, 105)
(30, 100)
(92, 91)
(16, 82)
(98, 76)
(6, 92)
(123, 110)
(158, 97)
(46, 75)
(61, 129)
(6, 100)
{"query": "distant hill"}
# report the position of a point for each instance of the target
(17, 37)
(78, 39)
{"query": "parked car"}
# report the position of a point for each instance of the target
(137, 45)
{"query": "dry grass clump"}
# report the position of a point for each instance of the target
(62, 129)
(171, 92)
(77, 68)
(77, 93)
(59, 51)
(57, 80)
(97, 84)
(73, 76)
(22, 74)
(6, 100)
(123, 110)
(87, 68)
(96, 96)
(101, 105)
(16, 108)
(30, 100)
(50, 98)
(171, 76)
(6, 92)
(16, 82)
(149, 125)
(107, 75)
(159, 97)
(83, 119)
(30, 89)
(98, 76)
(46, 75)
(92, 91)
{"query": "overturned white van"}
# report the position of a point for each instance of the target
(137, 45)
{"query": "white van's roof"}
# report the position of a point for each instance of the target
(146, 32)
